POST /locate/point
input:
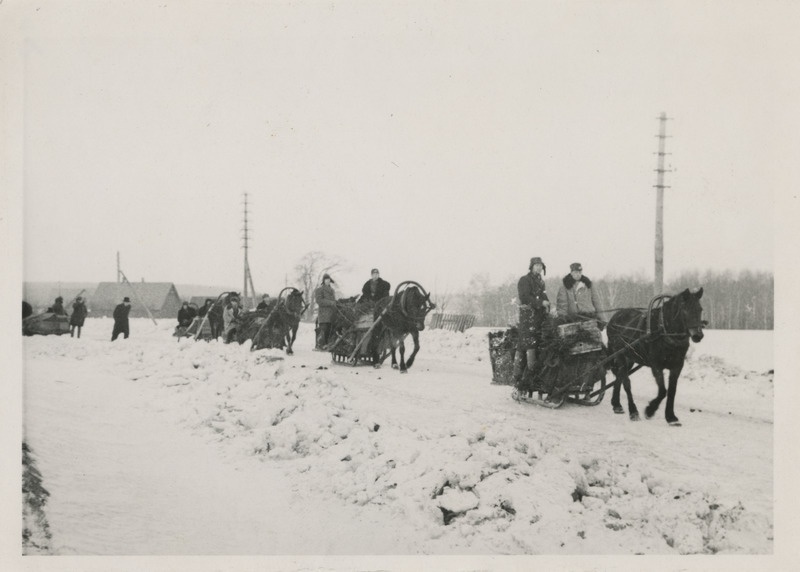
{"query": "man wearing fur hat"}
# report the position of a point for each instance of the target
(576, 298)
(533, 309)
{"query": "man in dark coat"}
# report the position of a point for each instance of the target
(375, 288)
(326, 300)
(185, 315)
(58, 307)
(121, 319)
(264, 304)
(533, 309)
(78, 316)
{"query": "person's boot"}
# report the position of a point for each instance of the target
(530, 356)
(518, 367)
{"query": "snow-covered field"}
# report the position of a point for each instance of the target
(153, 446)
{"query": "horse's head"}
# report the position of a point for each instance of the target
(691, 313)
(295, 302)
(415, 305)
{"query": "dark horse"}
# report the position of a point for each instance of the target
(397, 316)
(657, 338)
(276, 326)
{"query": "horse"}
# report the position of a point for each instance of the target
(277, 325)
(657, 338)
(397, 316)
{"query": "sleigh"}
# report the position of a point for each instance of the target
(352, 345)
(45, 324)
(570, 365)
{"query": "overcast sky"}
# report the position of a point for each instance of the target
(434, 140)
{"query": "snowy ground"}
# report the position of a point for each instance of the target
(155, 446)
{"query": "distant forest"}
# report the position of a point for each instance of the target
(731, 301)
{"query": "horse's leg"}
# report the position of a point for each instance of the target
(653, 406)
(403, 367)
(633, 412)
(415, 337)
(673, 388)
(615, 404)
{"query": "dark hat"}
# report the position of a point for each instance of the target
(78, 299)
(126, 299)
(575, 266)
(59, 299)
(209, 300)
(328, 276)
(185, 303)
(537, 260)
(374, 270)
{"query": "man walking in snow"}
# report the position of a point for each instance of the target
(121, 325)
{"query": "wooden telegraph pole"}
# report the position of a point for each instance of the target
(248, 289)
(658, 285)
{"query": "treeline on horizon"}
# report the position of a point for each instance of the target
(731, 301)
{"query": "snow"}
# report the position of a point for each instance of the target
(159, 446)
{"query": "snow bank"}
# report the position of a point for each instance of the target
(499, 480)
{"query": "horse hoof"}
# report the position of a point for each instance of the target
(618, 409)
(675, 423)
(403, 371)
(289, 353)
(634, 417)
(395, 366)
(648, 414)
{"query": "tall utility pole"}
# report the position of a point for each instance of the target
(119, 271)
(248, 290)
(658, 285)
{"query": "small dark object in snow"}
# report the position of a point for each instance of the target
(506, 506)
(448, 515)
(713, 507)
(582, 534)
(729, 413)
(346, 458)
(692, 410)
(196, 365)
(302, 366)
(376, 427)
(322, 367)
(676, 497)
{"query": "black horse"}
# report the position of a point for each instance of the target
(277, 325)
(397, 316)
(657, 338)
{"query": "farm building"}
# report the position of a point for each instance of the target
(161, 298)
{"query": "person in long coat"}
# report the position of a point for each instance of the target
(576, 298)
(230, 319)
(77, 318)
(121, 325)
(533, 309)
(325, 298)
(375, 288)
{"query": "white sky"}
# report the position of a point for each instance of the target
(434, 140)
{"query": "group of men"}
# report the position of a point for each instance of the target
(374, 289)
(76, 319)
(576, 300)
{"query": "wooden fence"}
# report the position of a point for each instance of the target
(453, 322)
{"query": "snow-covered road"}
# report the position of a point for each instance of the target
(153, 446)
